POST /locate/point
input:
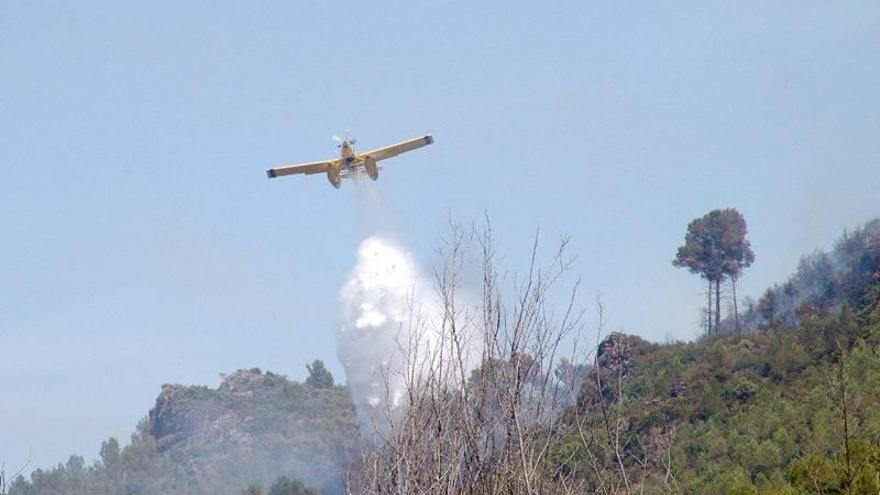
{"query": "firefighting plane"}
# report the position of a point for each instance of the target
(350, 162)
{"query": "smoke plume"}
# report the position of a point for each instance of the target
(381, 305)
(394, 332)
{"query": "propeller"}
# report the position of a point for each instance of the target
(341, 141)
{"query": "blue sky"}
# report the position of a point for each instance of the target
(143, 244)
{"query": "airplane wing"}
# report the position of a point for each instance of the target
(402, 147)
(302, 168)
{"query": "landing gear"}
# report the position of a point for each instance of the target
(372, 168)
(334, 176)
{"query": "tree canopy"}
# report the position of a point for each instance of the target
(287, 486)
(715, 247)
(319, 376)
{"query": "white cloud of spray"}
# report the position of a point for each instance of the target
(383, 303)
(391, 323)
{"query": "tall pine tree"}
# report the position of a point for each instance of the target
(715, 247)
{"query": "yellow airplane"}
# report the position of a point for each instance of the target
(350, 161)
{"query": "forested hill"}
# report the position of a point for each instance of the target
(253, 429)
(791, 406)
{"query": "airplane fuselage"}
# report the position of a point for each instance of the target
(349, 155)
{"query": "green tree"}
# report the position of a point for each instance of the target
(715, 247)
(735, 249)
(253, 490)
(111, 455)
(319, 377)
(286, 486)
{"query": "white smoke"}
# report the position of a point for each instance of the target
(393, 332)
(383, 303)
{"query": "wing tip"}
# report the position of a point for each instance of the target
(271, 173)
(429, 139)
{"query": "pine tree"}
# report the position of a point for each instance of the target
(319, 377)
(715, 247)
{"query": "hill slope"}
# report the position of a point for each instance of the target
(253, 428)
(792, 406)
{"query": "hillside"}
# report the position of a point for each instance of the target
(252, 429)
(792, 406)
(735, 414)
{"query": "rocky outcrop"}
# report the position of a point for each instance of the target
(616, 360)
(616, 354)
(257, 425)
